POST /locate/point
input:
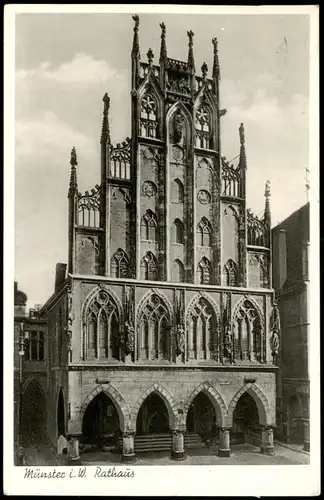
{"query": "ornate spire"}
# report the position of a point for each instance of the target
(267, 210)
(105, 134)
(216, 71)
(242, 151)
(191, 59)
(135, 49)
(150, 56)
(73, 175)
(163, 50)
(204, 70)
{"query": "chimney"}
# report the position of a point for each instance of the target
(60, 273)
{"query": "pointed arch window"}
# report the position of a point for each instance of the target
(203, 127)
(204, 233)
(203, 340)
(102, 328)
(178, 231)
(119, 264)
(247, 333)
(149, 267)
(177, 191)
(154, 330)
(149, 226)
(204, 272)
(230, 273)
(149, 118)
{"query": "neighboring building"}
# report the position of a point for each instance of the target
(161, 327)
(30, 371)
(290, 240)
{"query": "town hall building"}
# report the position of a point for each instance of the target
(163, 329)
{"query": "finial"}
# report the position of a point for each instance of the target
(204, 70)
(74, 160)
(150, 56)
(216, 70)
(105, 136)
(163, 51)
(73, 187)
(136, 19)
(135, 49)
(191, 60)
(242, 136)
(267, 210)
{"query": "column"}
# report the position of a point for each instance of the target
(73, 452)
(306, 435)
(178, 452)
(267, 446)
(224, 449)
(128, 454)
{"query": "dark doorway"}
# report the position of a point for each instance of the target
(33, 414)
(246, 426)
(60, 415)
(153, 417)
(100, 423)
(201, 418)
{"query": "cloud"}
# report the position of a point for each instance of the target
(83, 69)
(44, 135)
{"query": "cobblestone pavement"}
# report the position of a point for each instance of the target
(41, 455)
(241, 455)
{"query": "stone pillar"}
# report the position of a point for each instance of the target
(73, 455)
(306, 435)
(128, 454)
(267, 446)
(178, 452)
(224, 449)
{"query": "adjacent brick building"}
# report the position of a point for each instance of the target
(161, 325)
(30, 371)
(291, 283)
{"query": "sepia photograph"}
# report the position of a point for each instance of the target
(165, 198)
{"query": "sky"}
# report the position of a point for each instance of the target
(66, 62)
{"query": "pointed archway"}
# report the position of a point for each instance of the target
(100, 423)
(60, 414)
(153, 416)
(33, 413)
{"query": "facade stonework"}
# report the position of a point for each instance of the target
(168, 293)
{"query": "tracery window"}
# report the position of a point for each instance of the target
(148, 120)
(204, 233)
(149, 267)
(177, 192)
(178, 232)
(119, 264)
(230, 273)
(203, 129)
(34, 346)
(247, 333)
(204, 272)
(149, 226)
(202, 337)
(154, 330)
(102, 328)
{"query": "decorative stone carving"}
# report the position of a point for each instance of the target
(275, 329)
(203, 197)
(130, 337)
(148, 189)
(180, 337)
(178, 124)
(228, 351)
(177, 153)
